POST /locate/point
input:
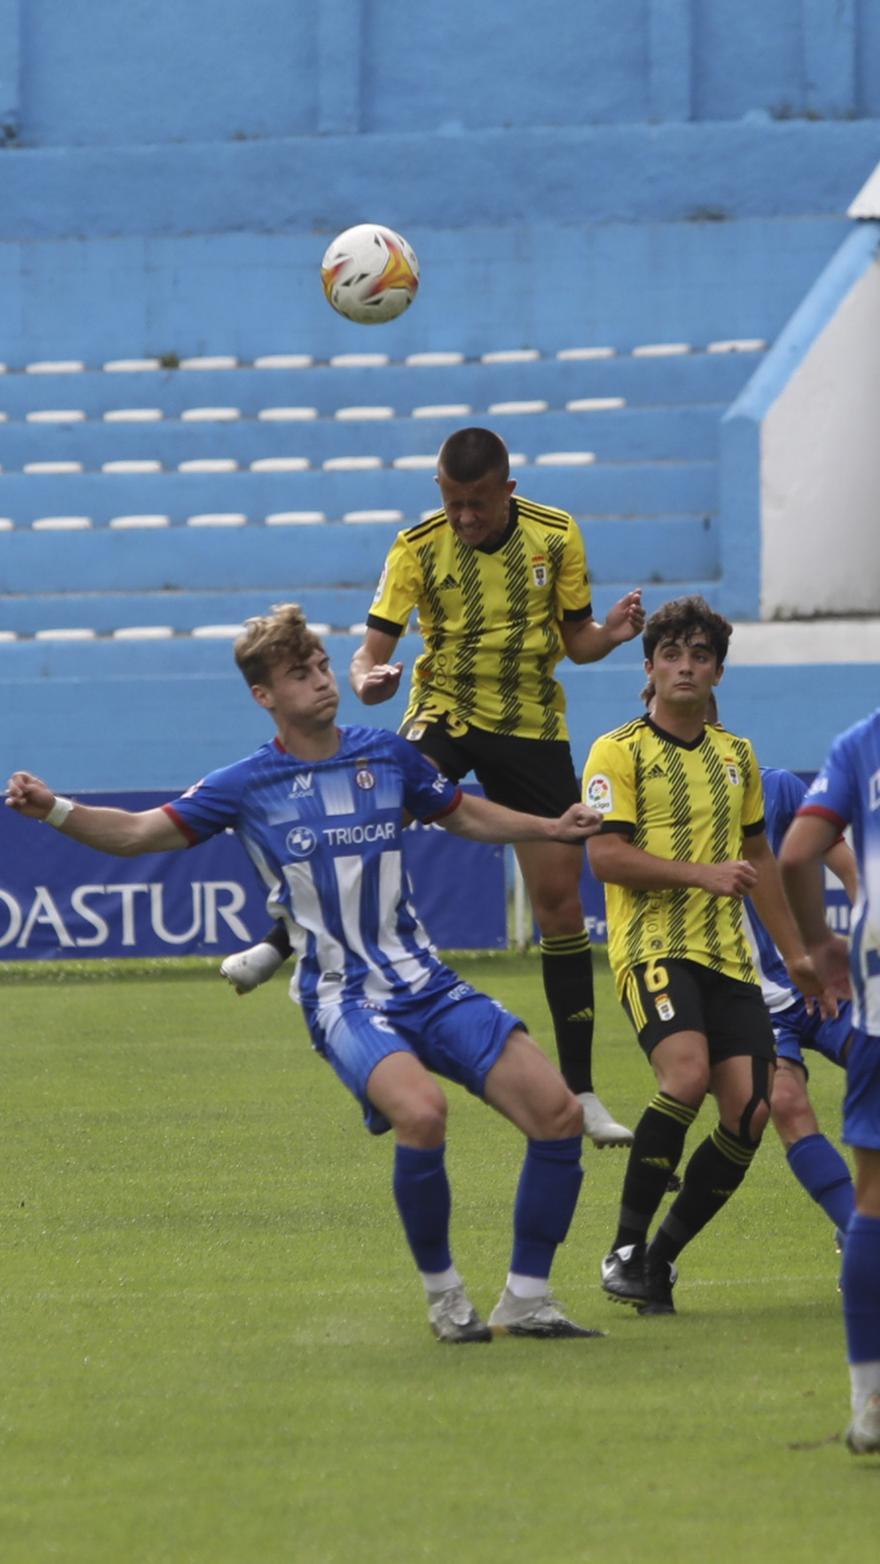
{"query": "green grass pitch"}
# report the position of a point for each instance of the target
(214, 1344)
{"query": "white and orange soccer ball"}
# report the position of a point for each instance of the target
(370, 274)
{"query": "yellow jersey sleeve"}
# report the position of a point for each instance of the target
(398, 590)
(573, 593)
(609, 784)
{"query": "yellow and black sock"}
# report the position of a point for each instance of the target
(655, 1153)
(567, 966)
(713, 1174)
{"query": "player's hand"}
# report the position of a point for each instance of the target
(29, 795)
(736, 878)
(380, 683)
(626, 619)
(830, 961)
(576, 824)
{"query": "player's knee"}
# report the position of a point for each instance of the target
(788, 1102)
(687, 1081)
(421, 1119)
(561, 1118)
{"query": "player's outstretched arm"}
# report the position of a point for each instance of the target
(482, 821)
(120, 831)
(374, 678)
(586, 641)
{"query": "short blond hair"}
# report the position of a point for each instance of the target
(269, 639)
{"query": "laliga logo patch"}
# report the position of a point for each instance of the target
(381, 583)
(732, 771)
(365, 779)
(873, 791)
(301, 842)
(599, 794)
(664, 1006)
(415, 731)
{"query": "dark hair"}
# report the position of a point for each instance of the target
(470, 454)
(269, 639)
(682, 619)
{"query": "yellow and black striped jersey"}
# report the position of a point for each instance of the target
(693, 802)
(489, 618)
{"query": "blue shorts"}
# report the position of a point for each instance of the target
(455, 1031)
(861, 1105)
(795, 1029)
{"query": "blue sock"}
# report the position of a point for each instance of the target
(821, 1169)
(861, 1289)
(421, 1190)
(545, 1200)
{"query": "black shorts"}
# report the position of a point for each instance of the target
(533, 775)
(664, 997)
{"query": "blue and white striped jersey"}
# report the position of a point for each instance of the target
(783, 795)
(847, 792)
(325, 837)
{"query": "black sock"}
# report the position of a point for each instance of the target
(713, 1174)
(655, 1153)
(567, 966)
(277, 938)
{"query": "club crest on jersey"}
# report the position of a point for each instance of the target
(301, 842)
(664, 1007)
(301, 786)
(732, 770)
(539, 570)
(364, 778)
(599, 795)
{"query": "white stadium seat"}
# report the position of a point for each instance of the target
(738, 345)
(210, 415)
(578, 355)
(52, 467)
(359, 360)
(294, 518)
(216, 632)
(428, 360)
(595, 404)
(141, 465)
(511, 356)
(65, 415)
(218, 361)
(373, 515)
(443, 410)
(209, 464)
(143, 633)
(57, 366)
(355, 414)
(133, 415)
(519, 407)
(662, 350)
(565, 459)
(127, 366)
(415, 463)
(61, 523)
(284, 361)
(287, 415)
(351, 463)
(280, 464)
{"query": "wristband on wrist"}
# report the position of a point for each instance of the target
(59, 811)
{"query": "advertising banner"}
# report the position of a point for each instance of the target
(60, 900)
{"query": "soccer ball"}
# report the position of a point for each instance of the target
(370, 274)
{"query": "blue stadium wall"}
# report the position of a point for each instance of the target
(625, 171)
